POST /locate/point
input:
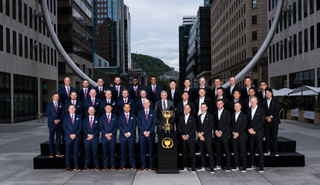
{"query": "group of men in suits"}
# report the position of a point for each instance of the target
(242, 116)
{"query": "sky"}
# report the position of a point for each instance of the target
(155, 25)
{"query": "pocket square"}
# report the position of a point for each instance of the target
(150, 114)
(77, 119)
(60, 106)
(97, 103)
(113, 103)
(96, 122)
(131, 117)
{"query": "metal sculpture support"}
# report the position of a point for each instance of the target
(264, 46)
(59, 47)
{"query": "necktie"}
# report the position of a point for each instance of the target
(72, 102)
(146, 115)
(108, 101)
(109, 119)
(135, 91)
(72, 119)
(125, 101)
(68, 92)
(118, 91)
(154, 90)
(92, 102)
(85, 93)
(56, 107)
(164, 105)
(91, 122)
(127, 118)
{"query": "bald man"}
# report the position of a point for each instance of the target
(64, 92)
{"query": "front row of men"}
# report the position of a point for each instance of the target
(237, 125)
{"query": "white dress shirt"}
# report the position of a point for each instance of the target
(74, 102)
(248, 89)
(268, 102)
(186, 117)
(263, 93)
(172, 94)
(125, 100)
(231, 88)
(201, 100)
(202, 117)
(237, 115)
(219, 113)
(187, 89)
(185, 103)
(253, 111)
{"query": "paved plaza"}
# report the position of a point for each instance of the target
(20, 142)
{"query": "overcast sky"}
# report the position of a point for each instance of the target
(155, 25)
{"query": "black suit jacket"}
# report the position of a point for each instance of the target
(258, 121)
(231, 106)
(180, 110)
(260, 95)
(207, 101)
(246, 104)
(239, 126)
(158, 109)
(208, 93)
(226, 104)
(207, 126)
(244, 92)
(177, 97)
(273, 110)
(214, 92)
(191, 93)
(230, 96)
(189, 128)
(224, 123)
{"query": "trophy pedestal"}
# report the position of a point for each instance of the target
(167, 153)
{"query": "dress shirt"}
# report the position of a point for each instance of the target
(172, 93)
(219, 113)
(186, 117)
(201, 100)
(237, 115)
(231, 88)
(202, 117)
(253, 111)
(166, 102)
(268, 102)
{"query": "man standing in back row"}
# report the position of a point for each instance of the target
(154, 90)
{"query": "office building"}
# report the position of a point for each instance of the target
(294, 51)
(238, 29)
(28, 65)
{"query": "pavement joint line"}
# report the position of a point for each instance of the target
(67, 181)
(264, 177)
(199, 178)
(135, 175)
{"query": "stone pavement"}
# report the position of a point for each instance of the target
(20, 142)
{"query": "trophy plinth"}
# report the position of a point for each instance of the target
(167, 115)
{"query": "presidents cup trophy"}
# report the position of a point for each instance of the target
(167, 114)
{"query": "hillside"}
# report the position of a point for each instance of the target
(151, 65)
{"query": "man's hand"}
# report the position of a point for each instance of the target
(108, 136)
(235, 135)
(72, 136)
(147, 134)
(251, 131)
(268, 118)
(199, 134)
(56, 121)
(90, 137)
(127, 135)
(218, 134)
(184, 137)
(202, 138)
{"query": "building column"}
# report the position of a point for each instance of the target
(39, 97)
(316, 77)
(12, 96)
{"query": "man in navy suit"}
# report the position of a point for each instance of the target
(64, 92)
(134, 91)
(108, 126)
(122, 101)
(100, 89)
(55, 112)
(108, 100)
(72, 126)
(74, 102)
(139, 103)
(147, 121)
(127, 127)
(92, 101)
(83, 93)
(117, 89)
(91, 139)
(154, 90)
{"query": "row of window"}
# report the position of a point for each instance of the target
(233, 60)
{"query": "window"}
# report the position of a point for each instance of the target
(20, 45)
(44, 50)
(305, 8)
(5, 100)
(14, 42)
(26, 46)
(1, 38)
(294, 12)
(254, 19)
(52, 56)
(8, 39)
(318, 5)
(285, 48)
(61, 67)
(306, 40)
(36, 52)
(300, 42)
(311, 7)
(255, 35)
(20, 11)
(14, 13)
(8, 7)
(285, 20)
(318, 35)
(254, 51)
(304, 77)
(55, 57)
(299, 10)
(295, 44)
(277, 49)
(270, 54)
(25, 14)
(31, 49)
(273, 53)
(281, 50)
(1, 6)
(290, 47)
(40, 52)
(312, 38)
(35, 23)
(30, 17)
(254, 4)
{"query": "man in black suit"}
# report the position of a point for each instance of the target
(205, 126)
(233, 87)
(236, 98)
(252, 92)
(180, 109)
(174, 94)
(221, 131)
(245, 90)
(271, 125)
(256, 117)
(262, 92)
(161, 105)
(203, 99)
(238, 127)
(202, 85)
(187, 128)
(220, 96)
(187, 87)
(217, 84)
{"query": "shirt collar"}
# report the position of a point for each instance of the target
(54, 102)
(187, 89)
(187, 115)
(221, 110)
(72, 115)
(146, 110)
(204, 114)
(91, 117)
(254, 108)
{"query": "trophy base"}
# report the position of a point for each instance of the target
(167, 153)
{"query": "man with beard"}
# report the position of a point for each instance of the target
(154, 90)
(117, 89)
(100, 89)
(83, 93)
(134, 91)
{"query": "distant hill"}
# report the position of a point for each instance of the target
(151, 65)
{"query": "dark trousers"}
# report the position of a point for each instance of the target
(258, 139)
(236, 145)
(91, 145)
(72, 145)
(191, 146)
(224, 141)
(54, 130)
(130, 143)
(144, 143)
(109, 146)
(271, 135)
(206, 146)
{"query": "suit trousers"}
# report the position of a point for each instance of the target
(206, 146)
(130, 143)
(72, 145)
(259, 144)
(91, 145)
(54, 130)
(239, 145)
(109, 146)
(191, 146)
(224, 141)
(144, 143)
(271, 135)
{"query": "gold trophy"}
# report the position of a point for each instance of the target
(167, 114)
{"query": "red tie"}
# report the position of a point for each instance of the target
(92, 102)
(72, 119)
(91, 122)
(125, 101)
(118, 91)
(72, 102)
(108, 119)
(127, 118)
(85, 93)
(68, 92)
(154, 90)
(146, 115)
(108, 101)
(56, 107)
(135, 90)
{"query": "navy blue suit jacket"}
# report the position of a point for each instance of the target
(78, 107)
(120, 105)
(149, 125)
(103, 103)
(102, 95)
(115, 94)
(94, 130)
(69, 129)
(132, 94)
(88, 104)
(106, 128)
(124, 127)
(139, 106)
(150, 93)
(53, 115)
(63, 95)
(81, 96)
